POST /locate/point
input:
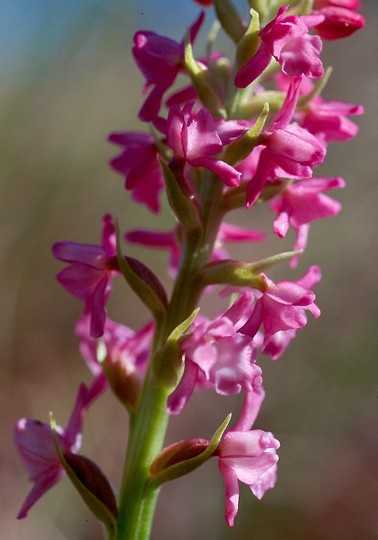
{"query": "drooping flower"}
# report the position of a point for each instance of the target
(302, 203)
(160, 59)
(119, 343)
(286, 39)
(217, 356)
(89, 274)
(194, 139)
(35, 444)
(247, 455)
(287, 146)
(139, 165)
(281, 307)
(327, 120)
(121, 353)
(276, 344)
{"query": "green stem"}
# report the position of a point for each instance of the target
(145, 441)
(149, 424)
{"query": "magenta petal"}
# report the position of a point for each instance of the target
(275, 345)
(282, 317)
(257, 183)
(95, 304)
(151, 106)
(266, 480)
(234, 233)
(314, 310)
(74, 252)
(231, 487)
(36, 447)
(290, 292)
(254, 67)
(202, 138)
(254, 322)
(300, 243)
(287, 110)
(179, 397)
(240, 307)
(74, 428)
(339, 22)
(281, 224)
(311, 277)
(156, 55)
(38, 490)
(333, 127)
(228, 174)
(246, 444)
(151, 238)
(295, 145)
(301, 57)
(79, 280)
(251, 408)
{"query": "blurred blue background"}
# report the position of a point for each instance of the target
(68, 80)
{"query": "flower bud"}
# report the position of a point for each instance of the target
(124, 379)
(339, 22)
(229, 19)
(178, 452)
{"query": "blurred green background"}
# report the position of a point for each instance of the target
(68, 80)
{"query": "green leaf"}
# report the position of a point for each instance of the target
(242, 147)
(250, 106)
(167, 363)
(250, 41)
(183, 206)
(302, 8)
(239, 274)
(263, 264)
(205, 84)
(230, 272)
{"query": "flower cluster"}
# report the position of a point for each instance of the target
(240, 133)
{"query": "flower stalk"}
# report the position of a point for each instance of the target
(244, 132)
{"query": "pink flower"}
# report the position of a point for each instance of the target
(340, 18)
(194, 139)
(288, 41)
(304, 202)
(328, 120)
(89, 274)
(160, 59)
(248, 456)
(287, 146)
(348, 4)
(120, 344)
(280, 308)
(35, 444)
(274, 345)
(204, 3)
(122, 355)
(138, 163)
(217, 356)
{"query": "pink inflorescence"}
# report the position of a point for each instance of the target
(239, 134)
